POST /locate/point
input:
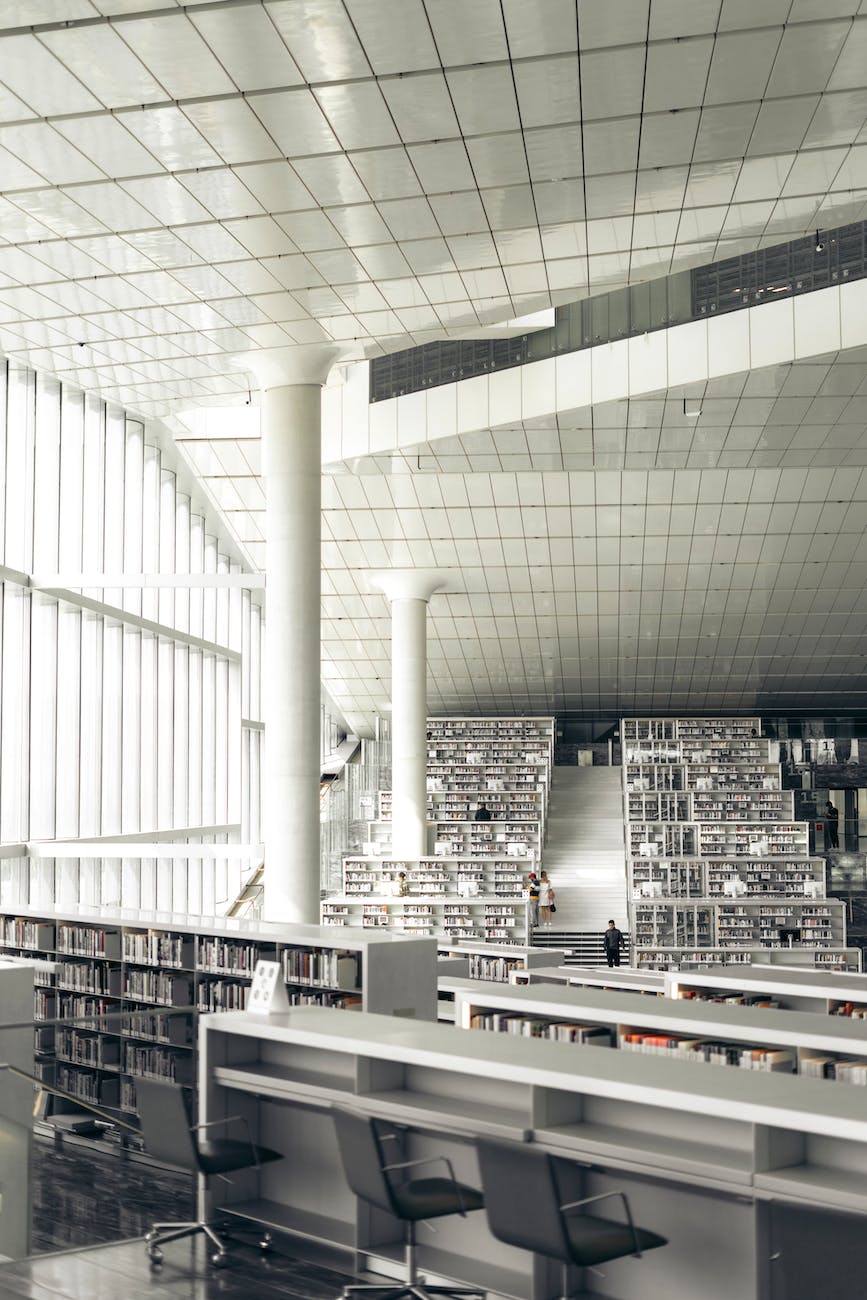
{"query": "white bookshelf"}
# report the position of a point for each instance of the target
(683, 957)
(148, 972)
(18, 1044)
(499, 962)
(461, 806)
(691, 1145)
(502, 877)
(520, 838)
(752, 1037)
(718, 869)
(825, 992)
(472, 916)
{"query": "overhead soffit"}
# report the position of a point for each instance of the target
(184, 185)
(187, 184)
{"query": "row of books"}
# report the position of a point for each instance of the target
(85, 941)
(827, 1067)
(216, 954)
(497, 969)
(327, 967)
(506, 1022)
(157, 948)
(714, 1053)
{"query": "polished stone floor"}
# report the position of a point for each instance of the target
(122, 1272)
(88, 1204)
(83, 1197)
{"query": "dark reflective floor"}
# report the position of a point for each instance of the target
(91, 1202)
(82, 1196)
(121, 1272)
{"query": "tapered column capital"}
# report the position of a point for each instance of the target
(407, 584)
(285, 367)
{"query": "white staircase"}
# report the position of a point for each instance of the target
(584, 854)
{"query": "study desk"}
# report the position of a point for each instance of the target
(701, 1151)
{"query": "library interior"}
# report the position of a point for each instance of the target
(432, 649)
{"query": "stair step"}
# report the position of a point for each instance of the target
(584, 853)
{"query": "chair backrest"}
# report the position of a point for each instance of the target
(165, 1123)
(361, 1156)
(522, 1199)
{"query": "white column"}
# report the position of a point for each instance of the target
(409, 593)
(292, 463)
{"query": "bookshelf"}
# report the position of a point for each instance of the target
(718, 869)
(501, 877)
(690, 1145)
(824, 992)
(461, 806)
(471, 839)
(750, 1033)
(617, 978)
(496, 963)
(471, 883)
(153, 970)
(472, 916)
(16, 1104)
(682, 957)
(499, 962)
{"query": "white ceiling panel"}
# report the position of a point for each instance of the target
(385, 172)
(40, 80)
(247, 45)
(234, 130)
(358, 115)
(395, 34)
(173, 51)
(321, 39)
(55, 157)
(171, 138)
(101, 60)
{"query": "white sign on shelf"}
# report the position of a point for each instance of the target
(268, 990)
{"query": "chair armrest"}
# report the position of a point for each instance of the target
(235, 1119)
(588, 1200)
(429, 1160)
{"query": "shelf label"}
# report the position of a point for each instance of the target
(268, 991)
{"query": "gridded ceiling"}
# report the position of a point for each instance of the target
(186, 183)
(625, 558)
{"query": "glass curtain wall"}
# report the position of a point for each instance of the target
(124, 711)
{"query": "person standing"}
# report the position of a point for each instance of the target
(832, 817)
(546, 898)
(483, 814)
(613, 941)
(533, 891)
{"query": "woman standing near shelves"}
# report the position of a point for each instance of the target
(546, 898)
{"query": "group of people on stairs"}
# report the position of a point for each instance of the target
(540, 892)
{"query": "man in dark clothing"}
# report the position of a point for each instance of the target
(832, 817)
(613, 941)
(482, 814)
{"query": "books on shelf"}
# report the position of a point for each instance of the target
(710, 1051)
(328, 968)
(523, 1026)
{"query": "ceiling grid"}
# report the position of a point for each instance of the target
(186, 183)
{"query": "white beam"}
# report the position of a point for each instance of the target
(246, 581)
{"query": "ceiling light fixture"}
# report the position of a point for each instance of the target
(820, 243)
(691, 415)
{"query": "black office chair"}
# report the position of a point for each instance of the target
(169, 1136)
(369, 1175)
(525, 1209)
